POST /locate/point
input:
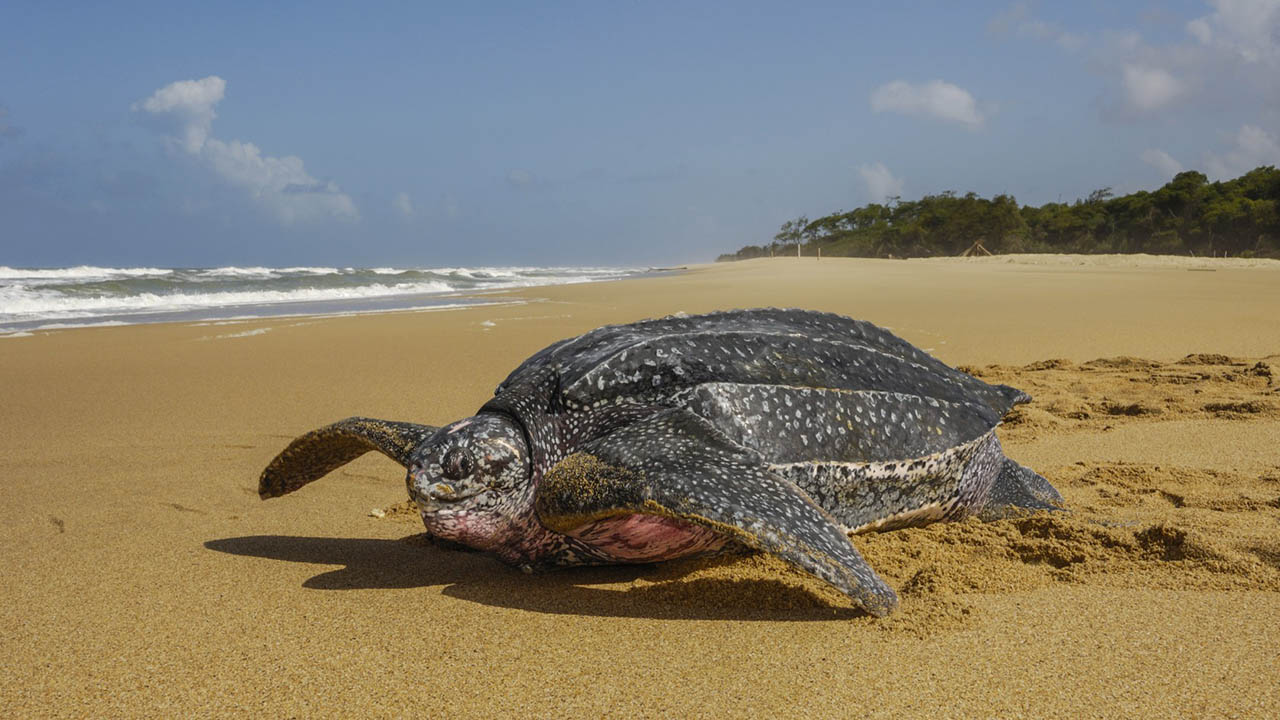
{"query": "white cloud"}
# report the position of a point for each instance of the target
(1009, 19)
(190, 104)
(938, 99)
(281, 184)
(519, 177)
(1161, 161)
(1040, 30)
(1252, 146)
(404, 204)
(1248, 29)
(1150, 88)
(881, 184)
(1200, 30)
(1228, 59)
(1049, 32)
(450, 205)
(1017, 19)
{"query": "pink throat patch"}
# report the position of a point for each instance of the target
(648, 538)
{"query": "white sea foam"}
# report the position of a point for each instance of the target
(237, 272)
(69, 326)
(312, 270)
(80, 272)
(246, 333)
(17, 302)
(84, 294)
(315, 316)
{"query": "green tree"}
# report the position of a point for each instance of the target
(1187, 214)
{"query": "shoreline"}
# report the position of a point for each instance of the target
(49, 299)
(433, 302)
(146, 577)
(195, 318)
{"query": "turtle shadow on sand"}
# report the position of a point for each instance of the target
(411, 562)
(781, 430)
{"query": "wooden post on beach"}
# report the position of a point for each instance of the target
(819, 253)
(974, 249)
(797, 249)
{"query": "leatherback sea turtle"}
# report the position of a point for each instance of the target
(780, 430)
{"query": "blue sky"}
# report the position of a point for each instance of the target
(589, 133)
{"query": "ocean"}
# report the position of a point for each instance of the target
(56, 298)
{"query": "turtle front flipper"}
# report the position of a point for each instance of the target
(312, 456)
(677, 465)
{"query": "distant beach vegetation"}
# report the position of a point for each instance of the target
(1188, 216)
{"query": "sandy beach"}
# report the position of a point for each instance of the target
(144, 577)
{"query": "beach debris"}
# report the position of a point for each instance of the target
(977, 249)
(782, 431)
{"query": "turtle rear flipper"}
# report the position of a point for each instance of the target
(1019, 490)
(313, 455)
(677, 465)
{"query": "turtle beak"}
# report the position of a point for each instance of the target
(443, 492)
(427, 490)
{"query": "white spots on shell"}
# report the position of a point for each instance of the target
(751, 377)
(775, 347)
(836, 424)
(883, 495)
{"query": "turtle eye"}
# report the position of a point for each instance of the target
(458, 463)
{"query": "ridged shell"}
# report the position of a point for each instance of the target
(892, 399)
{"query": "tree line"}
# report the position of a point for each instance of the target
(1188, 215)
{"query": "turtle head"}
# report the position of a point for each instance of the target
(471, 480)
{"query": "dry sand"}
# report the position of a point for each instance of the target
(143, 577)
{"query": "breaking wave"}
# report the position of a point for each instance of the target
(87, 294)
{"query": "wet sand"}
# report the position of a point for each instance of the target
(143, 577)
